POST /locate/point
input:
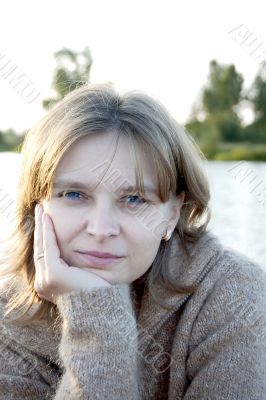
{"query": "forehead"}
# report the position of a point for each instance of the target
(96, 155)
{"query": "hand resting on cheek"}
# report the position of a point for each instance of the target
(53, 276)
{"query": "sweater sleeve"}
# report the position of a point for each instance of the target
(98, 345)
(227, 358)
(22, 374)
(97, 350)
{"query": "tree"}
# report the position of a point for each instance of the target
(258, 97)
(72, 71)
(215, 117)
(223, 90)
(256, 131)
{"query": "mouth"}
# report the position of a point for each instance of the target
(95, 261)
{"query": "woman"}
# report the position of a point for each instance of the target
(115, 289)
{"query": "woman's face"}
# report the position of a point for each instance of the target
(108, 219)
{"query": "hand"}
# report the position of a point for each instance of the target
(53, 276)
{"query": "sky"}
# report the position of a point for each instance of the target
(160, 47)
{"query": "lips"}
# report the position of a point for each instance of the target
(95, 261)
(101, 255)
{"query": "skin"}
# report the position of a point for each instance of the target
(102, 219)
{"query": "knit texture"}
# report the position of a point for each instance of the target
(211, 345)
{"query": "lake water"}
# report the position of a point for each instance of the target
(238, 203)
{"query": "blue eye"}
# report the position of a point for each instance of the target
(141, 199)
(66, 195)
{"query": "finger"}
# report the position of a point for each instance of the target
(38, 239)
(51, 250)
(38, 249)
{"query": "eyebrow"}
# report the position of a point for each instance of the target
(63, 184)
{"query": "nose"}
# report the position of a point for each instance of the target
(101, 223)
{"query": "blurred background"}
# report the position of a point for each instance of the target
(205, 61)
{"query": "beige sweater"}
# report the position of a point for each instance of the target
(211, 345)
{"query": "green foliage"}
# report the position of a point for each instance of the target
(228, 124)
(10, 140)
(242, 153)
(206, 134)
(258, 97)
(215, 120)
(255, 132)
(72, 71)
(223, 90)
(219, 96)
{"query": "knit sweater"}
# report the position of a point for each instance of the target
(210, 345)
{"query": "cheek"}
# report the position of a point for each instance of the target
(145, 252)
(64, 227)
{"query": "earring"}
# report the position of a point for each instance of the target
(166, 236)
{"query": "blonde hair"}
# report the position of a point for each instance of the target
(100, 108)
